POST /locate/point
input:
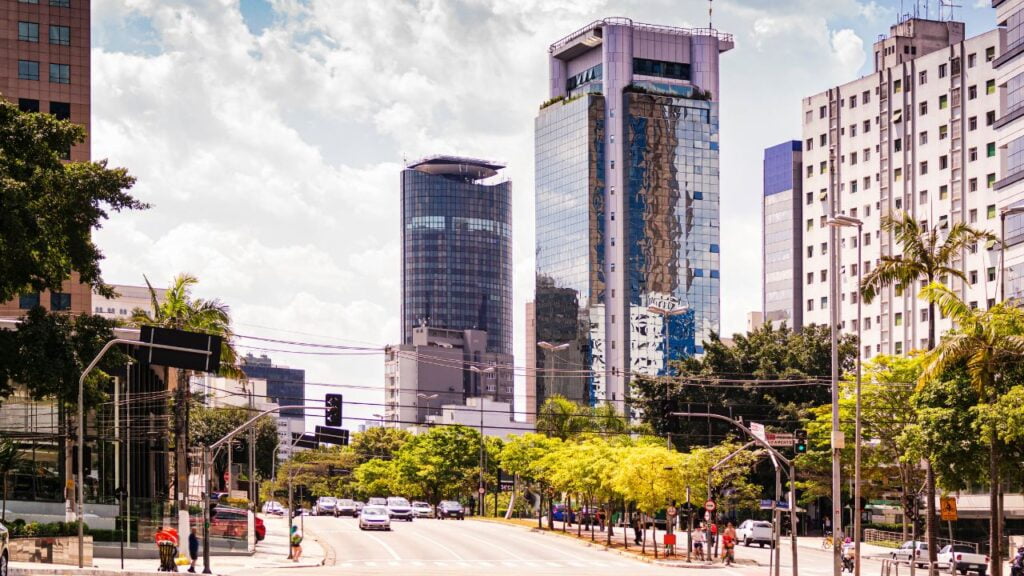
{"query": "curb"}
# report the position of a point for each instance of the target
(75, 570)
(632, 556)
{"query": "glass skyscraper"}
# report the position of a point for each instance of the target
(782, 252)
(457, 249)
(627, 241)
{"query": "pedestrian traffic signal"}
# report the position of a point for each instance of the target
(800, 443)
(333, 416)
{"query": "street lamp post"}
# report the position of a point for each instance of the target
(842, 221)
(480, 400)
(427, 399)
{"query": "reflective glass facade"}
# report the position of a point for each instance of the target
(570, 247)
(672, 228)
(457, 255)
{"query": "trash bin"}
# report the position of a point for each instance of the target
(167, 553)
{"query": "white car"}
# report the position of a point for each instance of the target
(918, 551)
(5, 556)
(422, 510)
(271, 507)
(400, 509)
(755, 532)
(374, 518)
(966, 559)
(325, 506)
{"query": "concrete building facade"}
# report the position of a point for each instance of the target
(916, 135)
(442, 367)
(627, 273)
(781, 220)
(1009, 66)
(45, 67)
(128, 299)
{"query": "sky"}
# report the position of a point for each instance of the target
(269, 136)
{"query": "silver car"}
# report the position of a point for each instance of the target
(374, 518)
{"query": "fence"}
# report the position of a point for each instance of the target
(888, 539)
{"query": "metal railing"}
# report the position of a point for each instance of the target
(721, 36)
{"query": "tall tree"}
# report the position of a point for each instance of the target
(48, 207)
(926, 256)
(182, 311)
(379, 442)
(208, 425)
(983, 341)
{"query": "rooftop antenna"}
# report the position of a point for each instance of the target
(710, 27)
(951, 5)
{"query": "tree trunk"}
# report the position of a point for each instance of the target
(3, 513)
(995, 532)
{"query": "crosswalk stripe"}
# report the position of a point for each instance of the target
(392, 563)
(371, 564)
(441, 564)
(554, 564)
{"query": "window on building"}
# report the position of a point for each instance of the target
(942, 70)
(922, 108)
(822, 112)
(897, 174)
(922, 197)
(990, 53)
(810, 304)
(924, 167)
(990, 117)
(810, 171)
(60, 35)
(1014, 157)
(991, 211)
(943, 162)
(943, 192)
(972, 277)
(62, 110)
(898, 348)
(810, 277)
(972, 185)
(972, 216)
(991, 273)
(853, 130)
(808, 116)
(809, 144)
(867, 239)
(897, 145)
(990, 149)
(866, 127)
(972, 92)
(897, 86)
(824, 302)
(943, 132)
(972, 123)
(810, 251)
(60, 74)
(867, 182)
(60, 301)
(853, 186)
(972, 154)
(898, 319)
(823, 275)
(865, 97)
(28, 70)
(824, 247)
(943, 101)
(990, 180)
(823, 140)
(28, 31)
(853, 158)
(971, 60)
(28, 105)
(61, 3)
(922, 77)
(866, 153)
(810, 224)
(990, 86)
(28, 301)
(822, 167)
(810, 197)
(922, 138)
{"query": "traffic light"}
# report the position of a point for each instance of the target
(800, 445)
(333, 416)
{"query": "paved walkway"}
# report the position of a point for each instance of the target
(272, 552)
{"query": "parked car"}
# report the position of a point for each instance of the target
(965, 558)
(422, 510)
(5, 556)
(325, 506)
(359, 507)
(377, 502)
(755, 532)
(450, 509)
(346, 507)
(374, 518)
(400, 509)
(228, 522)
(910, 550)
(271, 507)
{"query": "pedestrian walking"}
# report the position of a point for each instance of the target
(296, 542)
(637, 529)
(698, 542)
(193, 550)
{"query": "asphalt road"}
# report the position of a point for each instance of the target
(434, 547)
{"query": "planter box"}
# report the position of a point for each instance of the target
(50, 550)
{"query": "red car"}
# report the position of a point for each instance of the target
(230, 522)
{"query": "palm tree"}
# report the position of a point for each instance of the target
(925, 256)
(180, 310)
(982, 341)
(9, 460)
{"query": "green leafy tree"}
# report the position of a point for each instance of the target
(523, 456)
(379, 442)
(649, 476)
(443, 463)
(208, 425)
(562, 418)
(377, 478)
(983, 341)
(925, 255)
(50, 207)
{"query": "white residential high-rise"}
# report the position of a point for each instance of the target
(1009, 127)
(915, 135)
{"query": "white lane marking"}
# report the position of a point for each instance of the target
(495, 546)
(553, 564)
(509, 564)
(385, 546)
(455, 554)
(371, 564)
(392, 563)
(533, 540)
(417, 563)
(441, 564)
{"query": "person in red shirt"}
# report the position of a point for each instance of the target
(728, 544)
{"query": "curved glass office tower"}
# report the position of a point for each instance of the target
(627, 206)
(457, 249)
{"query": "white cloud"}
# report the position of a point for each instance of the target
(273, 160)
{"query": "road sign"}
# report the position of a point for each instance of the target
(206, 347)
(948, 509)
(781, 439)
(757, 430)
(671, 511)
(329, 435)
(710, 506)
(482, 490)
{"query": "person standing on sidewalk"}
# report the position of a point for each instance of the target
(193, 550)
(296, 543)
(728, 545)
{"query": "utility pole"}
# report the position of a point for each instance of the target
(253, 496)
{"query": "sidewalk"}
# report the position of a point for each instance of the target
(272, 552)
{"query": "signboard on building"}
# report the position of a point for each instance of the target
(948, 509)
(780, 439)
(757, 430)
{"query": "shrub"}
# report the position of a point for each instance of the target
(21, 529)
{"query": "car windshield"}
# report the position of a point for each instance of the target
(378, 501)
(421, 504)
(450, 504)
(346, 502)
(374, 511)
(326, 500)
(397, 502)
